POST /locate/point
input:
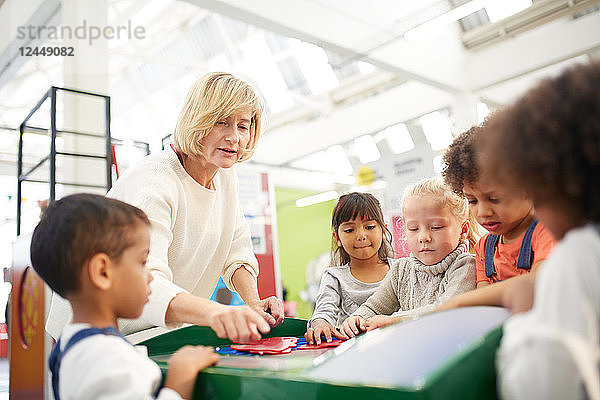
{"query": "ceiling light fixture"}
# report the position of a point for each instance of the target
(399, 139)
(444, 19)
(496, 10)
(366, 149)
(339, 162)
(315, 67)
(437, 130)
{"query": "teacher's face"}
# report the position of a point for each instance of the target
(226, 141)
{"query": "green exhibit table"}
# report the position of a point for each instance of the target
(465, 371)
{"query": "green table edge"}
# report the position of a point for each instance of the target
(448, 381)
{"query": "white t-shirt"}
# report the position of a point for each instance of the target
(198, 234)
(107, 367)
(546, 352)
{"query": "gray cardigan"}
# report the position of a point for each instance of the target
(412, 288)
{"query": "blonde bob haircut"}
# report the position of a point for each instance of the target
(213, 97)
(457, 204)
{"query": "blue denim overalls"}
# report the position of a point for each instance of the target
(57, 355)
(525, 258)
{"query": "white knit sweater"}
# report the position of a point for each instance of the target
(197, 235)
(412, 288)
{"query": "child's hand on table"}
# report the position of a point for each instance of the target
(184, 366)
(354, 325)
(320, 327)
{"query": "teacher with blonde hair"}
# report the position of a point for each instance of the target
(189, 192)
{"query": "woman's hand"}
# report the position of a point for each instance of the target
(353, 325)
(184, 366)
(379, 321)
(320, 327)
(271, 309)
(238, 323)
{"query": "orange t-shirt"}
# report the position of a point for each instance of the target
(506, 255)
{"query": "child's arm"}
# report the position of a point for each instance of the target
(491, 295)
(184, 366)
(518, 296)
(379, 321)
(328, 300)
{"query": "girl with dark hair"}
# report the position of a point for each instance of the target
(361, 247)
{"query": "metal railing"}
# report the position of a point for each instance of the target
(51, 157)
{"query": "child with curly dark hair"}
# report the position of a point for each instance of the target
(548, 145)
(516, 243)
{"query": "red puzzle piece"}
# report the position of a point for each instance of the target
(286, 351)
(274, 345)
(333, 343)
(275, 341)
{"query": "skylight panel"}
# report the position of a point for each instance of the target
(366, 149)
(315, 67)
(437, 130)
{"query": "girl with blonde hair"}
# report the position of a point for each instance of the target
(440, 266)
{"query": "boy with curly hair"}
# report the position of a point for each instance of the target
(92, 250)
(548, 145)
(516, 243)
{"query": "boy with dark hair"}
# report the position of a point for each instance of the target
(92, 250)
(516, 243)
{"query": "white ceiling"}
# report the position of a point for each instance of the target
(370, 68)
